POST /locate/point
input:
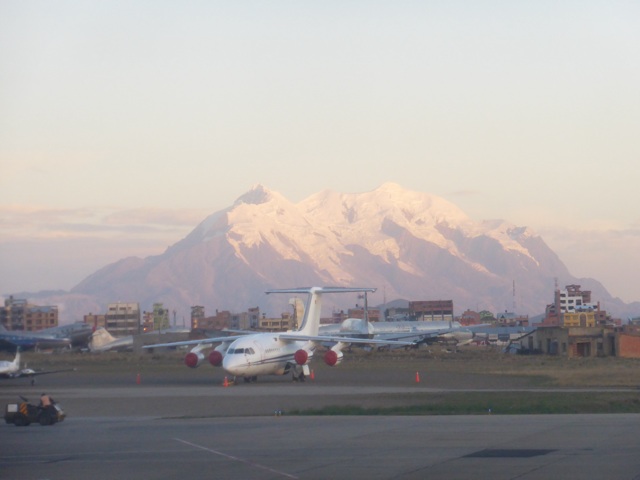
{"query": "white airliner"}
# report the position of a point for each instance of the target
(415, 331)
(11, 369)
(277, 353)
(102, 341)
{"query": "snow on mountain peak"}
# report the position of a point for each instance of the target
(255, 196)
(365, 218)
(324, 229)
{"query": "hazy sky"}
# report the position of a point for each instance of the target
(123, 124)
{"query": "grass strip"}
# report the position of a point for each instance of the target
(497, 403)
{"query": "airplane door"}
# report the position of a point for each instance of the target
(259, 351)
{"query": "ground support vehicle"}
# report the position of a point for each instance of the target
(23, 414)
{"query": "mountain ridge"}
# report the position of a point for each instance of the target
(407, 244)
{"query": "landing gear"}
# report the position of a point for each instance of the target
(253, 379)
(297, 374)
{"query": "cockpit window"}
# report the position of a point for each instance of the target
(248, 351)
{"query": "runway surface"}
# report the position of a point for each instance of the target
(169, 423)
(190, 427)
(445, 447)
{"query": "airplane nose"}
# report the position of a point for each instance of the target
(233, 365)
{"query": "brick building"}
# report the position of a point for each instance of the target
(18, 314)
(574, 341)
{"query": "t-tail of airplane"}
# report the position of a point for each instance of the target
(310, 324)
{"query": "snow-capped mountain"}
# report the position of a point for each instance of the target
(409, 245)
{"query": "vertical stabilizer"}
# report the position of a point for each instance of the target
(310, 324)
(100, 338)
(16, 361)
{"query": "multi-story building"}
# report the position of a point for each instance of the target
(432, 310)
(579, 319)
(284, 323)
(18, 314)
(373, 314)
(572, 307)
(160, 317)
(470, 317)
(197, 316)
(220, 321)
(572, 299)
(249, 320)
(123, 319)
(96, 321)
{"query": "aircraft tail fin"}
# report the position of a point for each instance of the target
(100, 338)
(16, 360)
(310, 324)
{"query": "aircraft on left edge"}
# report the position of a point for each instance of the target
(51, 338)
(277, 353)
(13, 369)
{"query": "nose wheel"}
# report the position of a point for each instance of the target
(297, 374)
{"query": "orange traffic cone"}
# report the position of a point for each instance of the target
(417, 377)
(313, 375)
(225, 383)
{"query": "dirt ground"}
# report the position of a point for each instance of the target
(440, 367)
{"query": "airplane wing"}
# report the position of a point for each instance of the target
(241, 332)
(284, 336)
(28, 372)
(416, 335)
(338, 338)
(196, 342)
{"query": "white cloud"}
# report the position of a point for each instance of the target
(48, 248)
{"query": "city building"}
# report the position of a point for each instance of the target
(160, 317)
(572, 307)
(96, 321)
(19, 314)
(282, 324)
(574, 341)
(372, 313)
(511, 319)
(220, 321)
(123, 319)
(431, 310)
(628, 339)
(470, 317)
(197, 317)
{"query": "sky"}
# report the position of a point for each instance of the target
(123, 124)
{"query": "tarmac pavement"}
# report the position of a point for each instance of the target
(189, 427)
(280, 447)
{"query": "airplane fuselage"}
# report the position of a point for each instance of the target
(277, 353)
(262, 354)
(25, 341)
